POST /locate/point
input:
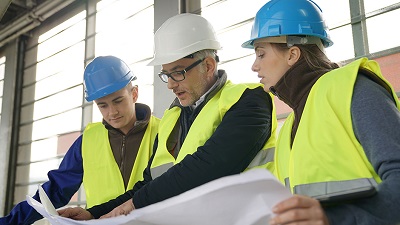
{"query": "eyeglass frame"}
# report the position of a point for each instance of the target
(182, 72)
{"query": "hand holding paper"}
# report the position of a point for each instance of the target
(123, 209)
(243, 199)
(75, 213)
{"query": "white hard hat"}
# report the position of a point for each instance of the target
(182, 35)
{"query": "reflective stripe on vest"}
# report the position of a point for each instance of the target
(102, 178)
(159, 170)
(263, 158)
(326, 158)
(213, 112)
(325, 190)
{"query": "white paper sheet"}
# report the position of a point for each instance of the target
(244, 199)
(48, 206)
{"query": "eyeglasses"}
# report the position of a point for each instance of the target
(178, 75)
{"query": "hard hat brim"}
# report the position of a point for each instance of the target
(110, 89)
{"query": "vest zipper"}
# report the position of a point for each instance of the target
(121, 167)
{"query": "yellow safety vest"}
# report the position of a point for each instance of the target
(213, 112)
(326, 158)
(102, 178)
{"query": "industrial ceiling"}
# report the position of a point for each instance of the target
(18, 17)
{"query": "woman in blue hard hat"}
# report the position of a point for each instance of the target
(339, 150)
(110, 156)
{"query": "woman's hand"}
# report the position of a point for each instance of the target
(299, 209)
(76, 213)
(123, 209)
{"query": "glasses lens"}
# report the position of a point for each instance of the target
(177, 76)
(163, 77)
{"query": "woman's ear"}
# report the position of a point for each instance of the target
(294, 55)
(135, 93)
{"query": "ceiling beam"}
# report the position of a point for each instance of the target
(4, 4)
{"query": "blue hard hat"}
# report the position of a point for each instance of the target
(289, 18)
(106, 75)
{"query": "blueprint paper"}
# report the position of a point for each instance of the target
(243, 199)
(48, 206)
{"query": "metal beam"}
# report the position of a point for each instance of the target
(35, 17)
(12, 173)
(4, 4)
(359, 28)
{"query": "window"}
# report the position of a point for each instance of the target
(125, 29)
(52, 97)
(373, 5)
(382, 34)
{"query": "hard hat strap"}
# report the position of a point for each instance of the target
(302, 40)
(295, 40)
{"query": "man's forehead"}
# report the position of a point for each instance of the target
(111, 97)
(180, 63)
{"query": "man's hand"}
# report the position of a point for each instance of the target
(76, 213)
(123, 209)
(299, 210)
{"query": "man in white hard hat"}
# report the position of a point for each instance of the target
(110, 156)
(213, 128)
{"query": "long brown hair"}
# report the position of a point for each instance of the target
(314, 57)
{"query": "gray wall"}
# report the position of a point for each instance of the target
(6, 117)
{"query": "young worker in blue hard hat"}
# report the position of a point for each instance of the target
(213, 128)
(339, 151)
(109, 157)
